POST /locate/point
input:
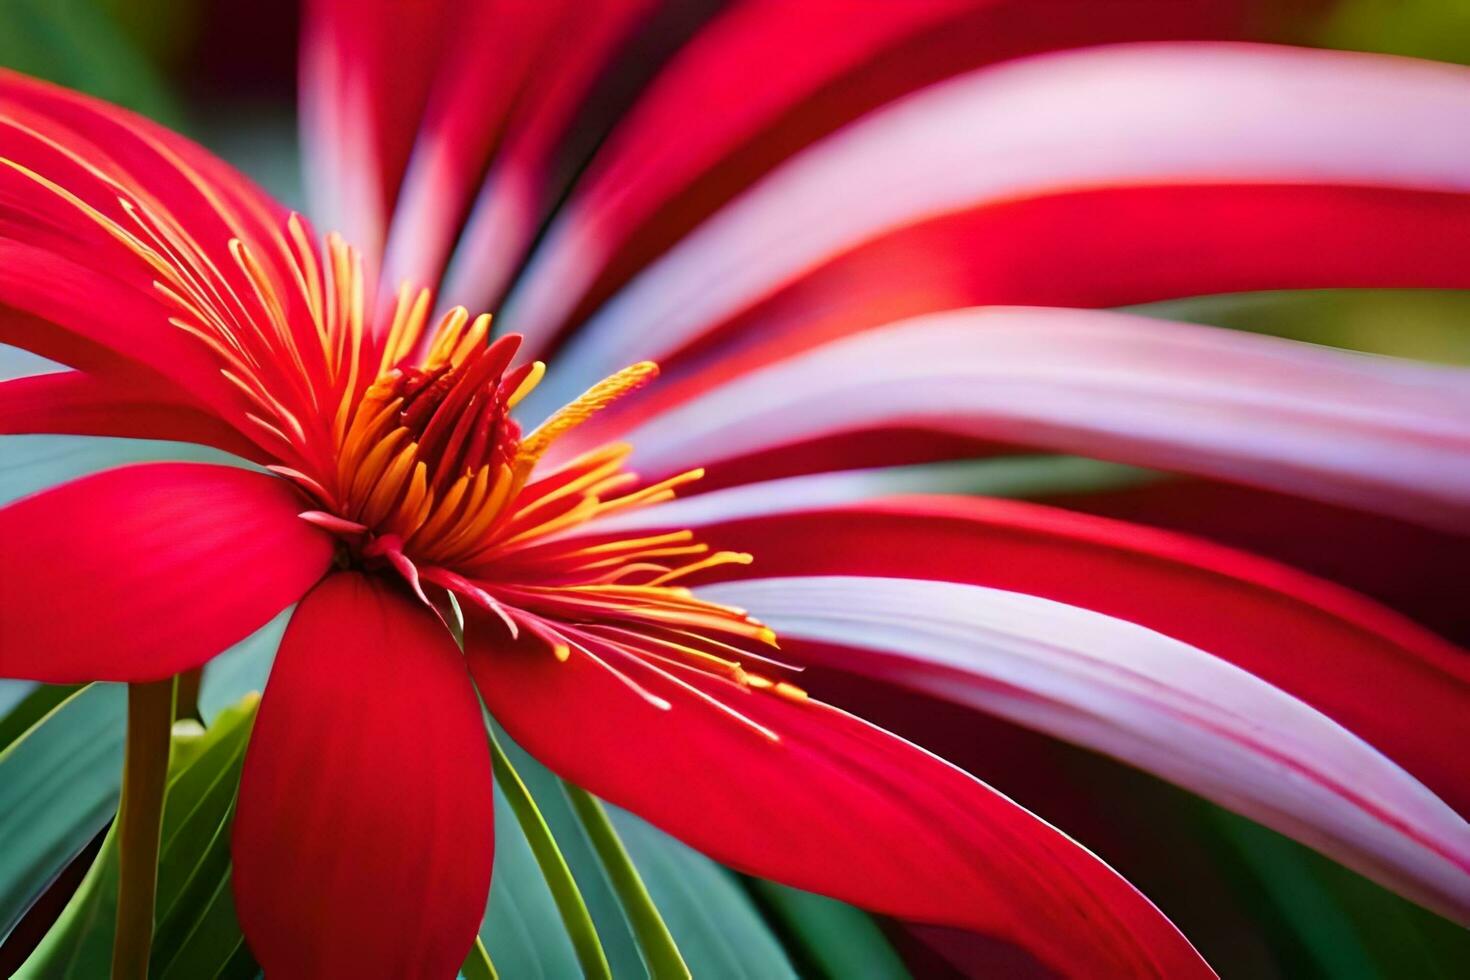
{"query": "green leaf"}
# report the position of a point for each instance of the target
(711, 917)
(196, 919)
(196, 935)
(720, 931)
(32, 704)
(1328, 921)
(75, 43)
(554, 870)
(58, 787)
(522, 926)
(1438, 29)
(611, 922)
(1426, 324)
(79, 943)
(477, 965)
(660, 952)
(242, 669)
(835, 940)
(213, 945)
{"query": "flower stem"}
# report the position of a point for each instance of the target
(186, 695)
(139, 816)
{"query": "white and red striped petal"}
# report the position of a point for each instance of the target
(1375, 433)
(1142, 697)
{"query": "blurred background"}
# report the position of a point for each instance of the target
(1258, 904)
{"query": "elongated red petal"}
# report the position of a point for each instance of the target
(671, 162)
(366, 72)
(823, 801)
(1127, 115)
(1397, 685)
(1221, 238)
(97, 205)
(74, 403)
(138, 573)
(363, 841)
(521, 184)
(1375, 433)
(1164, 706)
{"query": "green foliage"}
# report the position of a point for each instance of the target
(1426, 324)
(1438, 29)
(1326, 921)
(78, 44)
(660, 952)
(833, 940)
(196, 933)
(554, 870)
(59, 784)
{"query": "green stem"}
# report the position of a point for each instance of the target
(186, 698)
(477, 965)
(660, 952)
(139, 816)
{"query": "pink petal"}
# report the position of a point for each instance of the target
(138, 573)
(1374, 433)
(1141, 697)
(832, 805)
(671, 162)
(366, 72)
(480, 104)
(1148, 114)
(521, 185)
(363, 841)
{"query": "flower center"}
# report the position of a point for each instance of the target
(406, 443)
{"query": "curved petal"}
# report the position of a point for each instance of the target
(1141, 697)
(1142, 114)
(74, 403)
(1099, 247)
(523, 183)
(97, 206)
(363, 841)
(1407, 567)
(504, 105)
(1375, 433)
(138, 573)
(671, 162)
(366, 72)
(1400, 687)
(809, 795)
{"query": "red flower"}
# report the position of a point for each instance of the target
(834, 279)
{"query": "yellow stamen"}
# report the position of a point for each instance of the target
(592, 401)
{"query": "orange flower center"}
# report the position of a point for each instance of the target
(406, 444)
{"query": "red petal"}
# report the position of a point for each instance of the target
(1380, 434)
(366, 71)
(523, 181)
(1118, 246)
(112, 167)
(1404, 566)
(138, 573)
(73, 403)
(672, 162)
(1398, 686)
(835, 806)
(1164, 706)
(363, 841)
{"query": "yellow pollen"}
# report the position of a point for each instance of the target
(588, 404)
(402, 435)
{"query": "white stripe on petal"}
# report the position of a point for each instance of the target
(1141, 697)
